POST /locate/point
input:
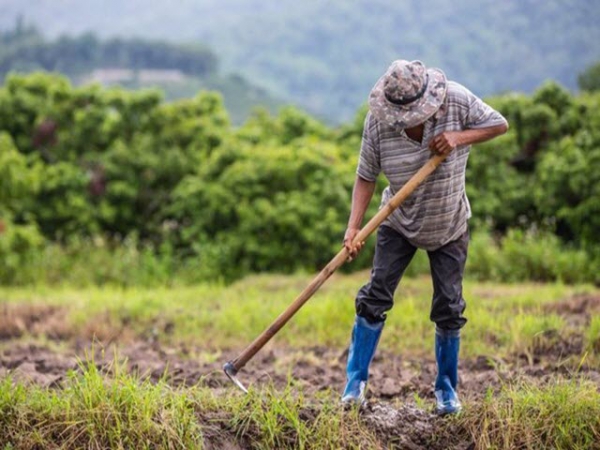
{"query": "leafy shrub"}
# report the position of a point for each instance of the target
(19, 245)
(27, 259)
(568, 185)
(528, 255)
(19, 180)
(589, 79)
(269, 207)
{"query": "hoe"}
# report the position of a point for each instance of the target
(232, 368)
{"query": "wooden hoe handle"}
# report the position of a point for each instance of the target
(232, 367)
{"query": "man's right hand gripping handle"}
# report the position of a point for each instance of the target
(353, 250)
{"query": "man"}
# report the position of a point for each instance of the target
(414, 111)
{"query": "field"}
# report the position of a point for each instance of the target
(141, 368)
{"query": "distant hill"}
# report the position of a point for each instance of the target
(326, 55)
(177, 69)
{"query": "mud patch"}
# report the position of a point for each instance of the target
(36, 364)
(551, 344)
(18, 319)
(576, 310)
(52, 322)
(410, 427)
(392, 377)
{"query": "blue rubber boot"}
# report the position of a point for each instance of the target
(447, 345)
(365, 337)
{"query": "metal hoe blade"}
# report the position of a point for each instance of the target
(231, 373)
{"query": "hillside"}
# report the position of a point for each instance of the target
(178, 70)
(325, 56)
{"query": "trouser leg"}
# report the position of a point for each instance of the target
(448, 305)
(447, 269)
(393, 253)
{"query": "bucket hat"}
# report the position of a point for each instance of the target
(408, 94)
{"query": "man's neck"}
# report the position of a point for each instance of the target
(415, 133)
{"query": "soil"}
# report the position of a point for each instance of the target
(397, 387)
(577, 310)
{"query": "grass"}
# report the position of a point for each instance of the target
(503, 319)
(562, 415)
(593, 334)
(93, 411)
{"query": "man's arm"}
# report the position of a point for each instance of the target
(479, 121)
(361, 197)
(447, 141)
(366, 174)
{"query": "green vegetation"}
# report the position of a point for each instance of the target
(506, 319)
(325, 56)
(109, 186)
(93, 413)
(128, 413)
(563, 415)
(589, 79)
(24, 49)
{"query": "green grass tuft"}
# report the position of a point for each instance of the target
(561, 415)
(92, 411)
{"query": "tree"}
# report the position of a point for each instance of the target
(589, 79)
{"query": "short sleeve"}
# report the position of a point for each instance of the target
(369, 159)
(481, 115)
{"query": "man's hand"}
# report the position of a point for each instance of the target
(348, 238)
(445, 142)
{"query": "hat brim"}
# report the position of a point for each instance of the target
(415, 113)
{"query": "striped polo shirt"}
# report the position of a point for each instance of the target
(437, 211)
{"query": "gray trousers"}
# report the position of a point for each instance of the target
(393, 253)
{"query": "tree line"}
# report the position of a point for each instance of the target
(24, 49)
(86, 171)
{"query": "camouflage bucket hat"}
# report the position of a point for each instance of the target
(407, 94)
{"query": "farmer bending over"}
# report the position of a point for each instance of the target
(413, 111)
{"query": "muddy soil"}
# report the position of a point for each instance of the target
(397, 384)
(312, 369)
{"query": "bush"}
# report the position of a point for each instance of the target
(589, 79)
(19, 180)
(28, 260)
(271, 207)
(528, 255)
(568, 186)
(19, 245)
